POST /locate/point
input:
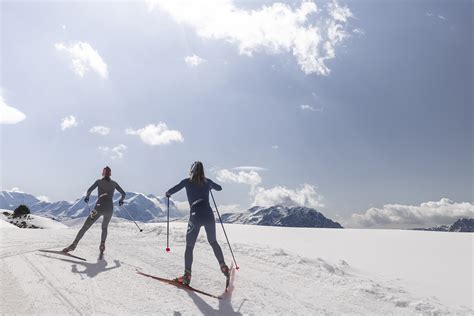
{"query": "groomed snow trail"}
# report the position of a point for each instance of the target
(270, 280)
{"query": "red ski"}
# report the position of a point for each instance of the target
(179, 285)
(58, 252)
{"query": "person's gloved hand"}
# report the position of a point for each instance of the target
(167, 194)
(86, 199)
(120, 203)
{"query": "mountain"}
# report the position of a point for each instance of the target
(144, 208)
(280, 215)
(461, 225)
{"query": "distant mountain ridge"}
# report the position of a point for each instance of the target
(144, 208)
(280, 215)
(465, 225)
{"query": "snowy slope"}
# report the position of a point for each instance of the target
(30, 221)
(283, 271)
(6, 225)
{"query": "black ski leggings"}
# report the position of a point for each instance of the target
(106, 213)
(194, 225)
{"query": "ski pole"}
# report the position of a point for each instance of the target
(133, 219)
(168, 228)
(225, 234)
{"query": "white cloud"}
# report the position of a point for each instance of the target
(116, 152)
(275, 146)
(309, 33)
(194, 60)
(439, 16)
(69, 122)
(358, 31)
(83, 57)
(306, 107)
(247, 168)
(43, 198)
(428, 214)
(183, 206)
(230, 208)
(159, 134)
(16, 189)
(306, 195)
(251, 177)
(8, 114)
(101, 130)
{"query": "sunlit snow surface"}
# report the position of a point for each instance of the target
(283, 271)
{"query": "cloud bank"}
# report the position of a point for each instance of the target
(428, 214)
(306, 196)
(308, 32)
(251, 177)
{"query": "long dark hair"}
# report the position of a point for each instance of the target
(106, 173)
(196, 173)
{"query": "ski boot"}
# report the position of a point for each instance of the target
(71, 247)
(225, 270)
(185, 279)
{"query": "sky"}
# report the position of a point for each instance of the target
(360, 109)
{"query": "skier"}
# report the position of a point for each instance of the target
(104, 207)
(197, 190)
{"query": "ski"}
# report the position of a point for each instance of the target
(178, 285)
(58, 252)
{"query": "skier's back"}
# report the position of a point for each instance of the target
(197, 190)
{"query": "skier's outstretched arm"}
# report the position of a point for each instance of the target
(214, 185)
(92, 188)
(176, 188)
(121, 191)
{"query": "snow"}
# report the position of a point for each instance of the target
(5, 224)
(283, 271)
(33, 220)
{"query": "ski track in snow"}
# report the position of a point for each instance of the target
(270, 281)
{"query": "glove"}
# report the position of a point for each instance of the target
(120, 203)
(86, 199)
(168, 194)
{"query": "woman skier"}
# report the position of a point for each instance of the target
(197, 190)
(104, 207)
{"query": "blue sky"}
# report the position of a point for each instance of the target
(347, 106)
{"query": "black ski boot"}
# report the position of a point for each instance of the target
(71, 247)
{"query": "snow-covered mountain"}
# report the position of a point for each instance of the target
(144, 208)
(280, 215)
(461, 225)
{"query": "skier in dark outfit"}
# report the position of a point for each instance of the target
(104, 207)
(197, 189)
